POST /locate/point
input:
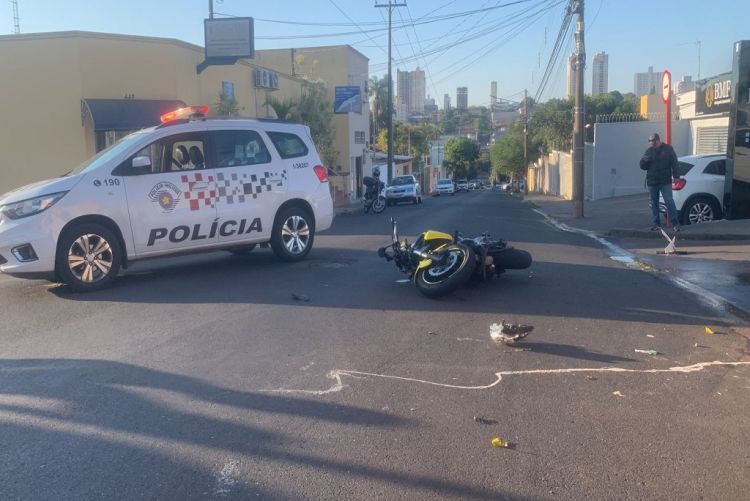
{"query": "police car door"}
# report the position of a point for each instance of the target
(172, 195)
(249, 185)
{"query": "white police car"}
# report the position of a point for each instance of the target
(192, 183)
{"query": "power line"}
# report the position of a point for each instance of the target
(491, 29)
(428, 20)
(555, 54)
(515, 26)
(426, 67)
(350, 19)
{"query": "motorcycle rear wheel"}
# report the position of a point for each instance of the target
(378, 205)
(440, 279)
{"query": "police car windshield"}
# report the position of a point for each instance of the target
(106, 154)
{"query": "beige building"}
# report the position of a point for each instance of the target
(67, 95)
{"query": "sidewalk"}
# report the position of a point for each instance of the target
(630, 216)
(712, 260)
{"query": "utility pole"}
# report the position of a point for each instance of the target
(576, 7)
(390, 5)
(210, 9)
(16, 20)
(525, 137)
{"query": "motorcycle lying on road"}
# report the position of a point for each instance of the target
(374, 198)
(438, 263)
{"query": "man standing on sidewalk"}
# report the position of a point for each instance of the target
(660, 164)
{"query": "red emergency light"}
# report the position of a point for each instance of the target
(184, 113)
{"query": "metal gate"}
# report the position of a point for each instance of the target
(711, 140)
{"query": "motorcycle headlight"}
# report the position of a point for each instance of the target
(26, 208)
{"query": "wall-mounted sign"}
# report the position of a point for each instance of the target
(266, 79)
(229, 37)
(348, 99)
(713, 95)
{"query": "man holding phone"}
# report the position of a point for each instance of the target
(660, 163)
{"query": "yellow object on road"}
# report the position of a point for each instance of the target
(709, 330)
(499, 442)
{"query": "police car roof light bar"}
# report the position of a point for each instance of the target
(185, 113)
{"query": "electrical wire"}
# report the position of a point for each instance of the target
(352, 20)
(554, 55)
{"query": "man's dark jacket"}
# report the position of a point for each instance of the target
(660, 165)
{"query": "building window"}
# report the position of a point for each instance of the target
(359, 137)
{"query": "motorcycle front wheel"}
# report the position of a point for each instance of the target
(443, 277)
(511, 259)
(378, 205)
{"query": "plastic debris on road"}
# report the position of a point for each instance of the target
(499, 442)
(483, 420)
(647, 352)
(505, 333)
(709, 331)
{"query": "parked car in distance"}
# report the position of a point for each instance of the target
(462, 185)
(473, 185)
(445, 187)
(403, 189)
(699, 191)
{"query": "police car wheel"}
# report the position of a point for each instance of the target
(242, 251)
(88, 257)
(293, 234)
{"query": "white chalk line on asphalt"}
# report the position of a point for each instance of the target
(339, 385)
(619, 254)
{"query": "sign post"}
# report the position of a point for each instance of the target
(666, 95)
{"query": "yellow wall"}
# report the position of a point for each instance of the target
(45, 77)
(40, 133)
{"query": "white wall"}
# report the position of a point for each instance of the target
(617, 150)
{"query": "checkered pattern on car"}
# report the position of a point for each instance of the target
(200, 190)
(236, 187)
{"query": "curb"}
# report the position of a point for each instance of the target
(683, 235)
(339, 211)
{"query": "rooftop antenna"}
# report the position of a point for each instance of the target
(16, 20)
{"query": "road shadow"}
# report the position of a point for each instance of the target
(82, 429)
(570, 351)
(360, 280)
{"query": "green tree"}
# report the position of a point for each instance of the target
(460, 155)
(507, 156)
(315, 110)
(407, 139)
(285, 109)
(378, 94)
(227, 106)
(551, 125)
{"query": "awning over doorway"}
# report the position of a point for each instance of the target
(126, 114)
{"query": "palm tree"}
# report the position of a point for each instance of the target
(285, 109)
(378, 90)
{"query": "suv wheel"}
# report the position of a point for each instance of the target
(293, 234)
(88, 257)
(700, 210)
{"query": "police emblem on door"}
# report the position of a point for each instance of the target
(166, 196)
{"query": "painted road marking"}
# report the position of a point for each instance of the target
(339, 385)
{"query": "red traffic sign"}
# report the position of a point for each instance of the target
(666, 86)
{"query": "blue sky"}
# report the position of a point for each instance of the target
(507, 43)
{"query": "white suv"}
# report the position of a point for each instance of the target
(189, 184)
(699, 193)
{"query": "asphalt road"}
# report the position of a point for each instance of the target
(202, 378)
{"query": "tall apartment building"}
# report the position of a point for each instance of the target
(600, 72)
(493, 93)
(647, 83)
(410, 93)
(462, 98)
(446, 102)
(570, 81)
